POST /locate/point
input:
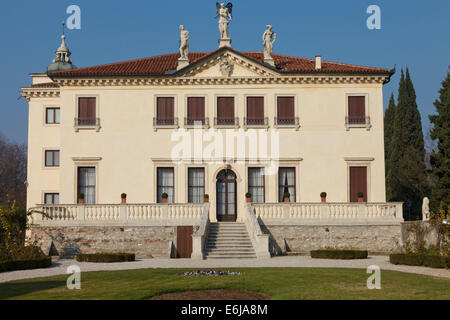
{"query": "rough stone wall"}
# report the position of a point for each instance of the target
(378, 239)
(145, 242)
(418, 231)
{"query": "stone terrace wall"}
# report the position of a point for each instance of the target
(145, 241)
(378, 239)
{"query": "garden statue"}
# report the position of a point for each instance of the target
(425, 209)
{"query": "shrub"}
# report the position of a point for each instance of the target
(81, 196)
(105, 257)
(286, 194)
(123, 196)
(248, 195)
(408, 259)
(434, 261)
(360, 194)
(41, 262)
(323, 194)
(206, 196)
(164, 195)
(427, 260)
(339, 254)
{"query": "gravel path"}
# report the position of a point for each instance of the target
(60, 266)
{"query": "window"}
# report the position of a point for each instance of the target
(225, 111)
(52, 158)
(196, 185)
(165, 111)
(51, 198)
(256, 184)
(165, 184)
(358, 183)
(356, 110)
(195, 110)
(285, 111)
(86, 184)
(52, 116)
(87, 112)
(286, 183)
(255, 111)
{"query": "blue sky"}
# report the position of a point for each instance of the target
(413, 33)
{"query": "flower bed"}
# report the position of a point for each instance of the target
(414, 259)
(34, 263)
(209, 273)
(339, 254)
(105, 257)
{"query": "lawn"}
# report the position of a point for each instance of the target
(279, 283)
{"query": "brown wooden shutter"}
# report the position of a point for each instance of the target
(165, 110)
(286, 109)
(255, 108)
(87, 108)
(225, 108)
(196, 108)
(358, 183)
(357, 109)
(184, 241)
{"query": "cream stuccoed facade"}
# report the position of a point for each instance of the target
(126, 145)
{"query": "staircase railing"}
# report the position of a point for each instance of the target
(199, 239)
(260, 240)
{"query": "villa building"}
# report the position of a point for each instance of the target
(220, 123)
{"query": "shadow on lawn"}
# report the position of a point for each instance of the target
(9, 290)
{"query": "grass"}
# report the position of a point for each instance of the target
(280, 283)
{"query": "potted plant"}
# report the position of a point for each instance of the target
(206, 197)
(323, 196)
(360, 196)
(164, 197)
(123, 197)
(287, 196)
(248, 197)
(81, 198)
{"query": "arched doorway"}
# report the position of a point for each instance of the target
(226, 209)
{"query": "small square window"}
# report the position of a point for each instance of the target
(52, 158)
(52, 116)
(51, 198)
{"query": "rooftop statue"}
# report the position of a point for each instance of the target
(224, 13)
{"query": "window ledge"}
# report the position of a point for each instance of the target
(95, 126)
(361, 125)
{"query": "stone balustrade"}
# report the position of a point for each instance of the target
(118, 214)
(329, 213)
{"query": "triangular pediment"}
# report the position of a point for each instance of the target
(226, 64)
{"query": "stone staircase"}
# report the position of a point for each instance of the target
(228, 240)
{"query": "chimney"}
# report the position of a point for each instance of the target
(318, 62)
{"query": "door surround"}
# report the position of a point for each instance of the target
(228, 178)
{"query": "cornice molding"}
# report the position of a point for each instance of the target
(204, 81)
(29, 93)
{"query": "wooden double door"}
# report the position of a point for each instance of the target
(226, 208)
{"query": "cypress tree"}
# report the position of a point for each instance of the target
(407, 156)
(440, 160)
(389, 117)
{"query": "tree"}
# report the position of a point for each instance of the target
(440, 195)
(389, 117)
(407, 179)
(13, 166)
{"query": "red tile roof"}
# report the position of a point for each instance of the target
(159, 65)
